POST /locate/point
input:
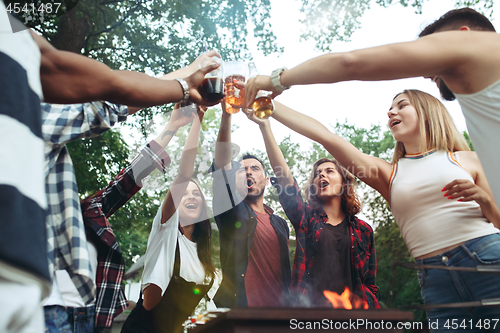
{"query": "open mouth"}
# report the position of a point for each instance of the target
(250, 183)
(323, 184)
(394, 123)
(191, 206)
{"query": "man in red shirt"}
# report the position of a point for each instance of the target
(254, 242)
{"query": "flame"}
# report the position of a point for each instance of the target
(343, 301)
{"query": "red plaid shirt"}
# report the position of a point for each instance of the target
(308, 223)
(110, 298)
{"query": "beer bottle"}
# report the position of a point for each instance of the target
(263, 105)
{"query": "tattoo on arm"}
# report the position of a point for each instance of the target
(164, 134)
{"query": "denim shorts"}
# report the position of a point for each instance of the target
(442, 287)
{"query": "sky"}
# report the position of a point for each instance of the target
(361, 103)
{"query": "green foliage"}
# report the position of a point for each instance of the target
(160, 36)
(399, 287)
(97, 158)
(132, 224)
(467, 138)
(370, 141)
(483, 6)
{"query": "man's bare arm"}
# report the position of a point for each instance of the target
(451, 55)
(71, 78)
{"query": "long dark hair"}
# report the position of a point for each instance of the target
(202, 235)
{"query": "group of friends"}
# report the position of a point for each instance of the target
(56, 248)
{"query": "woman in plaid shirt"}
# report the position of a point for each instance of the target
(440, 199)
(334, 249)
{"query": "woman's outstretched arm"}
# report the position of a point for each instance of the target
(276, 158)
(186, 167)
(372, 170)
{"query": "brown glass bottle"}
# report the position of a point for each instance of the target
(263, 106)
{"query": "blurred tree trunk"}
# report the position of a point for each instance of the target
(72, 33)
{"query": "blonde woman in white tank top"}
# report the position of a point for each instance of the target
(440, 199)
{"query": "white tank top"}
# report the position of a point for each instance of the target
(428, 220)
(482, 115)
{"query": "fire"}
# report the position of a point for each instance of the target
(343, 301)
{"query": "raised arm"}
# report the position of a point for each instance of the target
(72, 78)
(186, 167)
(372, 170)
(191, 68)
(452, 55)
(274, 153)
(181, 73)
(223, 147)
(123, 187)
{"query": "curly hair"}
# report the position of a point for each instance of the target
(350, 202)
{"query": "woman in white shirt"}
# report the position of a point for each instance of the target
(439, 196)
(178, 269)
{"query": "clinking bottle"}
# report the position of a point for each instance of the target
(263, 104)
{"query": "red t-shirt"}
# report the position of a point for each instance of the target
(263, 280)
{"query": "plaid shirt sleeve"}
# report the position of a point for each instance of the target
(365, 261)
(110, 300)
(291, 201)
(66, 241)
(372, 269)
(129, 181)
(65, 123)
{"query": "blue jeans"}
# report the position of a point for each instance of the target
(441, 287)
(56, 319)
(81, 319)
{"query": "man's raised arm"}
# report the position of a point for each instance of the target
(72, 78)
(445, 54)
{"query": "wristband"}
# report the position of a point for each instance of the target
(185, 89)
(275, 79)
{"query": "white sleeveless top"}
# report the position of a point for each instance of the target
(160, 255)
(482, 115)
(428, 220)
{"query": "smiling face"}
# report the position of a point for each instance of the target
(327, 181)
(403, 120)
(251, 179)
(191, 204)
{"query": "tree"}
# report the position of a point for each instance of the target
(155, 35)
(96, 159)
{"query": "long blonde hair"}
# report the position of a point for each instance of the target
(436, 127)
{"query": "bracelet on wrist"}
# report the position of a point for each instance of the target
(185, 89)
